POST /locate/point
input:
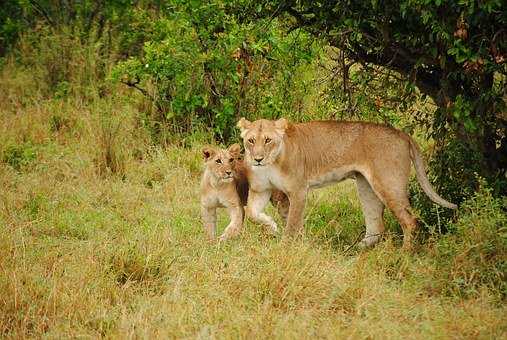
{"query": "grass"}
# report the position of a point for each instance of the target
(100, 237)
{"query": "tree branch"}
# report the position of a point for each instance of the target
(426, 79)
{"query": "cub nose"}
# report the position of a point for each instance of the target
(228, 172)
(258, 160)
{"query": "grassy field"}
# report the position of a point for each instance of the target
(100, 237)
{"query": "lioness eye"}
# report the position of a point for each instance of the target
(219, 161)
(251, 141)
(268, 140)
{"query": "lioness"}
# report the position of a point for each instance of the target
(297, 157)
(224, 184)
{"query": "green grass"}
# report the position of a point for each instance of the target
(98, 247)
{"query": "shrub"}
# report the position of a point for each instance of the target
(200, 66)
(453, 169)
(474, 255)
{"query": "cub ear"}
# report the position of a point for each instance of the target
(281, 125)
(244, 125)
(234, 150)
(208, 152)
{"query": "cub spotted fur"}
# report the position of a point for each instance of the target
(294, 158)
(224, 184)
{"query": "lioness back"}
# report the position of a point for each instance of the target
(325, 145)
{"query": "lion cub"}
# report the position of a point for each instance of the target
(224, 184)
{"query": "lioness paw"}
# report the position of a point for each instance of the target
(369, 241)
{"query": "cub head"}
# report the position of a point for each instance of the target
(263, 140)
(220, 162)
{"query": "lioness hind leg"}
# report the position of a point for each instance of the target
(257, 201)
(400, 206)
(407, 221)
(373, 210)
(394, 195)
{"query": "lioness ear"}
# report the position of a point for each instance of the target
(281, 125)
(244, 125)
(234, 150)
(208, 152)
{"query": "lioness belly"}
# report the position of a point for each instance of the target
(330, 177)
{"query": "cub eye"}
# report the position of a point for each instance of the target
(231, 160)
(251, 141)
(219, 161)
(268, 140)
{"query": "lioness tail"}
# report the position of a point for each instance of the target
(415, 155)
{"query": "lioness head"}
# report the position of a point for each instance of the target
(263, 139)
(220, 162)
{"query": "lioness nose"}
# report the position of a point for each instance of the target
(258, 160)
(228, 172)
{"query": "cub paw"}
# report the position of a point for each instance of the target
(228, 234)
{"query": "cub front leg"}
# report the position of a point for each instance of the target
(257, 201)
(297, 200)
(209, 219)
(236, 213)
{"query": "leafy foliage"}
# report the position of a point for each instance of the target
(201, 66)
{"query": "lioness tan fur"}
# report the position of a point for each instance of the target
(224, 184)
(297, 157)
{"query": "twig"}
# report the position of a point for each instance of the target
(356, 241)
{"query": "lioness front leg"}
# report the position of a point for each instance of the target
(296, 209)
(257, 201)
(209, 219)
(281, 202)
(236, 213)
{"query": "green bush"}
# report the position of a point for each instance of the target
(453, 169)
(474, 254)
(199, 66)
